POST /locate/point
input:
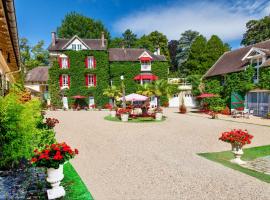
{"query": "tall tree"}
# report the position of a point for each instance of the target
(116, 42)
(129, 38)
(197, 58)
(184, 43)
(153, 41)
(172, 47)
(257, 31)
(214, 49)
(33, 56)
(85, 27)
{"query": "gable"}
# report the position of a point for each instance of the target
(76, 42)
(253, 52)
(145, 55)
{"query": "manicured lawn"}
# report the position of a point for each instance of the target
(249, 154)
(74, 186)
(137, 120)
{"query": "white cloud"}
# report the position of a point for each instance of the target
(223, 19)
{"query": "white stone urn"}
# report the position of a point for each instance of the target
(124, 117)
(159, 116)
(238, 152)
(113, 113)
(54, 177)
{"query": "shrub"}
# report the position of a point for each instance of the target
(21, 129)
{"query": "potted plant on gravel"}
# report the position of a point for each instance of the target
(237, 138)
(183, 108)
(53, 158)
(124, 113)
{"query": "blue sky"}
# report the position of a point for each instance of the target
(38, 18)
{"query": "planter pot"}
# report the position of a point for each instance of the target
(238, 152)
(159, 116)
(54, 178)
(124, 117)
(113, 113)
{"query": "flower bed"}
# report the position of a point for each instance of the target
(134, 120)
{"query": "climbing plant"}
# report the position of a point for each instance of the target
(77, 72)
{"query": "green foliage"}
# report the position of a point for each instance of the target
(21, 130)
(203, 54)
(112, 92)
(77, 72)
(172, 47)
(82, 26)
(213, 85)
(131, 69)
(154, 40)
(195, 81)
(239, 82)
(33, 56)
(257, 31)
(215, 104)
(264, 78)
(116, 42)
(129, 38)
(183, 48)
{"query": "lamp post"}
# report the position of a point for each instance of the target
(123, 91)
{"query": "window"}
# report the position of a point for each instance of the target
(90, 62)
(145, 66)
(64, 63)
(79, 46)
(73, 46)
(91, 81)
(65, 80)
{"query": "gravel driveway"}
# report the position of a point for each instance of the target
(157, 161)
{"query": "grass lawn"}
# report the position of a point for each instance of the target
(74, 186)
(249, 154)
(137, 120)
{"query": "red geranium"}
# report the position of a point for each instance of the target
(237, 137)
(53, 156)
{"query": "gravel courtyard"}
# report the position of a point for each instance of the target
(157, 161)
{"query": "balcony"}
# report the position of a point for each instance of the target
(182, 83)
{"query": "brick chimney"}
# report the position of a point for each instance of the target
(102, 39)
(53, 38)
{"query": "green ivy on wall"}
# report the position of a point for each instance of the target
(132, 69)
(264, 78)
(77, 72)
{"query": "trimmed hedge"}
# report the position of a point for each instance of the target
(77, 72)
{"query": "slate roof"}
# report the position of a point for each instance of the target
(129, 54)
(38, 74)
(94, 44)
(232, 61)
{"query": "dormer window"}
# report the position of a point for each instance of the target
(79, 46)
(145, 65)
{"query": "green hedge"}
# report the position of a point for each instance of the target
(77, 72)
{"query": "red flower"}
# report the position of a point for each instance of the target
(76, 151)
(33, 160)
(58, 156)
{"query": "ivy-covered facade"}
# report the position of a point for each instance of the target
(85, 67)
(242, 78)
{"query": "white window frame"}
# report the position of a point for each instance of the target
(90, 62)
(79, 47)
(65, 81)
(145, 65)
(74, 47)
(91, 82)
(64, 61)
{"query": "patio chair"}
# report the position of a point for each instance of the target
(246, 113)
